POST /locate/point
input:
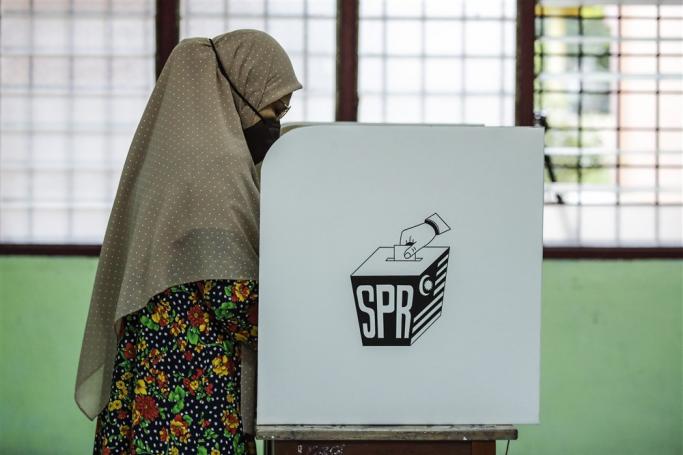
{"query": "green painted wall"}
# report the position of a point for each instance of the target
(611, 378)
(611, 360)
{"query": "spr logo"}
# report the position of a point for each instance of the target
(399, 290)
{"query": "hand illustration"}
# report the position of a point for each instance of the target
(417, 236)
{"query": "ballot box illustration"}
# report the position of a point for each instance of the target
(398, 300)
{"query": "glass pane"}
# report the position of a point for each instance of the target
(609, 85)
(415, 54)
(72, 74)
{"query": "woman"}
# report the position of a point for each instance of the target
(173, 313)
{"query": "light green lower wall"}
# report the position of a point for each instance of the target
(612, 360)
(611, 357)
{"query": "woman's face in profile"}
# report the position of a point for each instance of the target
(274, 109)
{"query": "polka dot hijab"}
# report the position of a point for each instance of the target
(187, 204)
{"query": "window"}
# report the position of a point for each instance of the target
(76, 76)
(609, 86)
(305, 28)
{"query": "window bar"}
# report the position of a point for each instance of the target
(608, 92)
(423, 60)
(601, 39)
(463, 62)
(525, 30)
(607, 16)
(167, 30)
(185, 24)
(540, 119)
(579, 133)
(226, 16)
(30, 137)
(109, 150)
(346, 97)
(607, 53)
(69, 139)
(657, 119)
(619, 128)
(541, 66)
(618, 164)
(305, 62)
(266, 15)
(384, 60)
(503, 59)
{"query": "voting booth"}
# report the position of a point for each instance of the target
(400, 285)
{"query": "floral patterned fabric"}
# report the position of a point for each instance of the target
(175, 387)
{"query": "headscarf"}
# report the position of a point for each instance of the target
(187, 204)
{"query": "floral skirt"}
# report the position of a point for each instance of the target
(176, 379)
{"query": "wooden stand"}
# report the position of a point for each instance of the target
(383, 439)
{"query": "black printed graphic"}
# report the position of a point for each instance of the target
(399, 290)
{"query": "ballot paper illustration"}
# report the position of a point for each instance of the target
(399, 290)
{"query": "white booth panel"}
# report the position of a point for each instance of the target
(352, 333)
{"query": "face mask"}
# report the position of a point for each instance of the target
(260, 137)
(262, 134)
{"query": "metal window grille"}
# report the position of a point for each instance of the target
(437, 62)
(609, 87)
(75, 78)
(305, 28)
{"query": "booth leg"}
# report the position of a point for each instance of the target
(269, 447)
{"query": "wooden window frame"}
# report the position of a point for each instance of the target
(167, 26)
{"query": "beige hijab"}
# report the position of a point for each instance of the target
(187, 205)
